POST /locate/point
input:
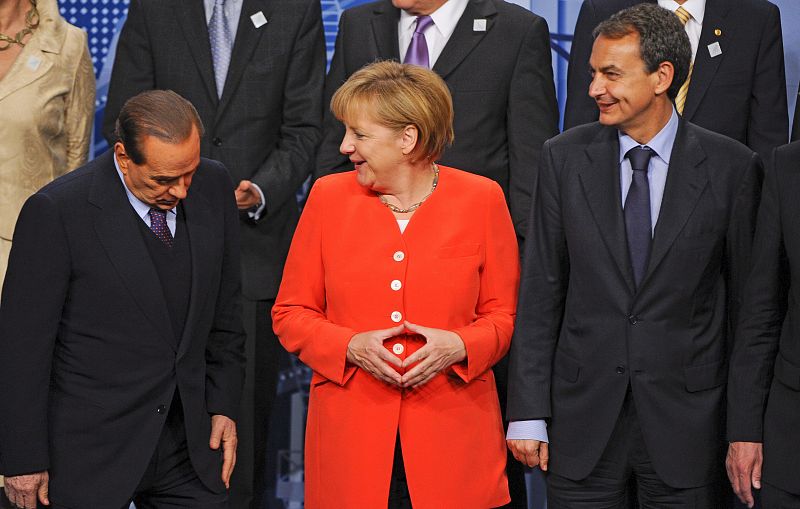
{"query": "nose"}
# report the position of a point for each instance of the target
(597, 87)
(346, 147)
(179, 190)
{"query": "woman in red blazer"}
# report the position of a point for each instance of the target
(400, 293)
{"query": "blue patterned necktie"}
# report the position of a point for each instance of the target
(637, 212)
(417, 53)
(221, 44)
(158, 223)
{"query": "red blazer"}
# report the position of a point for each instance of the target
(350, 270)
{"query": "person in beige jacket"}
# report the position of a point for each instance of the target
(47, 92)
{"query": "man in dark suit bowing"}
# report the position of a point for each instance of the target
(737, 83)
(638, 248)
(254, 69)
(121, 343)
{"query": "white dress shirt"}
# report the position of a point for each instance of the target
(693, 27)
(445, 19)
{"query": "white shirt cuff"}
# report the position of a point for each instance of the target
(255, 215)
(527, 430)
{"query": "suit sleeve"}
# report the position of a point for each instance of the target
(225, 359)
(541, 301)
(80, 109)
(488, 337)
(759, 328)
(767, 128)
(580, 108)
(298, 316)
(33, 297)
(133, 70)
(329, 159)
(290, 163)
(532, 115)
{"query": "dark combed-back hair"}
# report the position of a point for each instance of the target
(160, 113)
(661, 39)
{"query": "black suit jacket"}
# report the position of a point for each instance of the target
(796, 121)
(740, 93)
(88, 357)
(501, 81)
(764, 384)
(265, 128)
(584, 334)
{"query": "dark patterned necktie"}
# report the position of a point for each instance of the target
(637, 212)
(158, 223)
(417, 53)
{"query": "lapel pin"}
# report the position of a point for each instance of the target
(717, 32)
(714, 50)
(33, 63)
(479, 25)
(258, 19)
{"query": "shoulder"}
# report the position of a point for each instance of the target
(75, 184)
(716, 145)
(468, 185)
(578, 137)
(359, 14)
(747, 8)
(787, 157)
(213, 177)
(335, 184)
(602, 9)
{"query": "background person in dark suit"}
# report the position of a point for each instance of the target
(621, 332)
(764, 382)
(738, 83)
(121, 344)
(796, 122)
(254, 69)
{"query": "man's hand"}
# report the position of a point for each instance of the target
(246, 195)
(223, 430)
(23, 490)
(530, 452)
(366, 351)
(744, 469)
(442, 349)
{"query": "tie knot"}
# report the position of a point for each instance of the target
(639, 157)
(158, 215)
(683, 15)
(423, 22)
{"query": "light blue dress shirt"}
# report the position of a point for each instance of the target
(657, 169)
(142, 209)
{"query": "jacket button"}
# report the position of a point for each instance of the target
(396, 285)
(217, 142)
(398, 256)
(398, 348)
(397, 316)
(620, 370)
(162, 409)
(633, 319)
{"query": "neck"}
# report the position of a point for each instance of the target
(12, 14)
(412, 186)
(652, 125)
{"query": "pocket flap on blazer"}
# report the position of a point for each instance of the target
(458, 251)
(566, 367)
(705, 376)
(787, 373)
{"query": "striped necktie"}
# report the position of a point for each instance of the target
(680, 99)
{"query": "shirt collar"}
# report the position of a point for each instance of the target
(661, 143)
(697, 8)
(445, 18)
(142, 209)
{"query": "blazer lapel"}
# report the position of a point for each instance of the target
(600, 181)
(247, 38)
(197, 212)
(685, 183)
(705, 67)
(116, 227)
(191, 16)
(464, 37)
(384, 30)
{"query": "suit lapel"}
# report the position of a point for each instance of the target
(116, 227)
(197, 212)
(191, 16)
(464, 37)
(384, 30)
(247, 38)
(685, 183)
(705, 67)
(600, 181)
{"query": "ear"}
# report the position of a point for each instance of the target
(665, 74)
(123, 160)
(408, 139)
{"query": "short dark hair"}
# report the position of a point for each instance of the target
(661, 39)
(160, 113)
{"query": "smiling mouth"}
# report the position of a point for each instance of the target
(604, 106)
(357, 162)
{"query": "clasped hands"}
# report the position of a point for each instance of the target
(443, 348)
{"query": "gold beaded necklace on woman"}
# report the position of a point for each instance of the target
(412, 208)
(31, 23)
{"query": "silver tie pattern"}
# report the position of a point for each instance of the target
(221, 44)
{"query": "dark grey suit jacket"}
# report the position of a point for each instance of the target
(740, 93)
(88, 357)
(501, 80)
(584, 333)
(265, 128)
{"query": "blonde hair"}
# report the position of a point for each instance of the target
(396, 96)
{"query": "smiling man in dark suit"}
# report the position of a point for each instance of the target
(737, 86)
(638, 248)
(254, 69)
(121, 343)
